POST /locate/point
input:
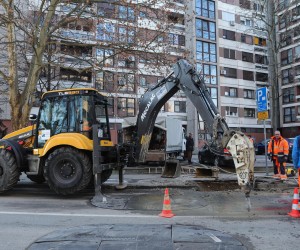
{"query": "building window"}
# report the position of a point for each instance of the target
(205, 8)
(288, 95)
(126, 107)
(175, 39)
(285, 39)
(179, 107)
(258, 7)
(261, 77)
(126, 35)
(297, 53)
(75, 76)
(148, 58)
(246, 22)
(246, 39)
(231, 92)
(105, 32)
(282, 22)
(248, 75)
(126, 61)
(209, 73)
(249, 112)
(261, 59)
(287, 76)
(147, 80)
(230, 72)
(247, 57)
(214, 95)
(106, 9)
(205, 29)
(296, 31)
(249, 94)
(227, 16)
(206, 51)
(259, 41)
(231, 111)
(286, 57)
(229, 53)
(289, 115)
(126, 13)
(105, 57)
(228, 34)
(246, 4)
(126, 82)
(104, 80)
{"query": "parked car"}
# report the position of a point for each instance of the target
(209, 154)
(260, 147)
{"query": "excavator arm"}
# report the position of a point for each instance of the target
(185, 78)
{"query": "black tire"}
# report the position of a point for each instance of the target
(200, 158)
(105, 175)
(9, 171)
(67, 170)
(36, 178)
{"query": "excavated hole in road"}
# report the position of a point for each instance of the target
(217, 186)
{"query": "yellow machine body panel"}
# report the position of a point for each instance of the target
(75, 140)
(20, 133)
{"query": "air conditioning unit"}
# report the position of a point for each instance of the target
(232, 23)
(223, 72)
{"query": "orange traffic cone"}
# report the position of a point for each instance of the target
(166, 212)
(295, 211)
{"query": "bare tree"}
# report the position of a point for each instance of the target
(37, 32)
(267, 16)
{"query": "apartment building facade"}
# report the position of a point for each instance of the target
(230, 50)
(224, 38)
(120, 49)
(288, 37)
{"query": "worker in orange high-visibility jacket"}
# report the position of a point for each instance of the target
(278, 151)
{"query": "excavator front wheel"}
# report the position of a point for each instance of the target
(67, 170)
(9, 171)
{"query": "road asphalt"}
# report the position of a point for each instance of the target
(146, 237)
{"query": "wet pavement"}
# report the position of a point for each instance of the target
(146, 237)
(211, 196)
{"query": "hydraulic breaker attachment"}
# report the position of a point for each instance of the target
(242, 151)
(172, 169)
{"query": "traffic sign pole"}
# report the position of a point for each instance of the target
(266, 151)
(262, 98)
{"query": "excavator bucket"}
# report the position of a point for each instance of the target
(172, 169)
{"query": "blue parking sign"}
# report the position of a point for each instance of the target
(262, 97)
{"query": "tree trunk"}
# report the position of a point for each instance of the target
(14, 95)
(273, 65)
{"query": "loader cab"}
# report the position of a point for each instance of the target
(71, 111)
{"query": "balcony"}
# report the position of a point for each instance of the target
(77, 35)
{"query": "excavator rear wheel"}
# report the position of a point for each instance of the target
(67, 170)
(9, 171)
